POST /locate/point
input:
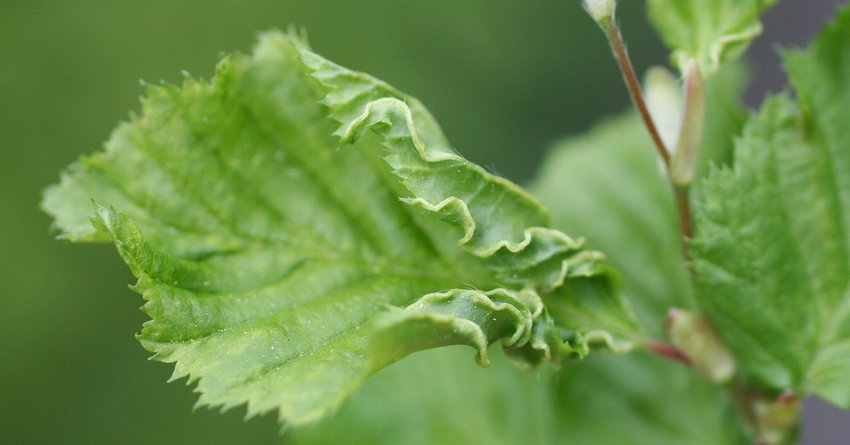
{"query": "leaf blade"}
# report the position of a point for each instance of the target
(773, 229)
(269, 259)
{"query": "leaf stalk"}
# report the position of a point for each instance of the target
(621, 54)
(669, 351)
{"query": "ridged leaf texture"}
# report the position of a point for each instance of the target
(711, 32)
(296, 226)
(772, 254)
(613, 163)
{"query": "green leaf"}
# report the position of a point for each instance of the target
(772, 255)
(712, 32)
(496, 220)
(434, 398)
(277, 265)
(822, 80)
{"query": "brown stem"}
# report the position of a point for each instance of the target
(667, 350)
(680, 193)
(618, 46)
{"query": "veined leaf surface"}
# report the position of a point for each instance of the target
(435, 398)
(772, 251)
(270, 255)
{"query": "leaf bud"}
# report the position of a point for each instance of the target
(602, 11)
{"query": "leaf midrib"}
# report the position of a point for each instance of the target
(304, 241)
(382, 173)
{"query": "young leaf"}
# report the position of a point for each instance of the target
(712, 32)
(275, 263)
(576, 405)
(821, 77)
(772, 251)
(496, 220)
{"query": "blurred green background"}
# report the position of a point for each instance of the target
(505, 78)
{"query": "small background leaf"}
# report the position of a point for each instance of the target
(712, 32)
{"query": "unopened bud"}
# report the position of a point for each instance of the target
(692, 334)
(602, 11)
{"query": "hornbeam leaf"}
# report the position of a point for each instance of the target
(277, 265)
(712, 32)
(496, 219)
(614, 163)
(772, 255)
(822, 80)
